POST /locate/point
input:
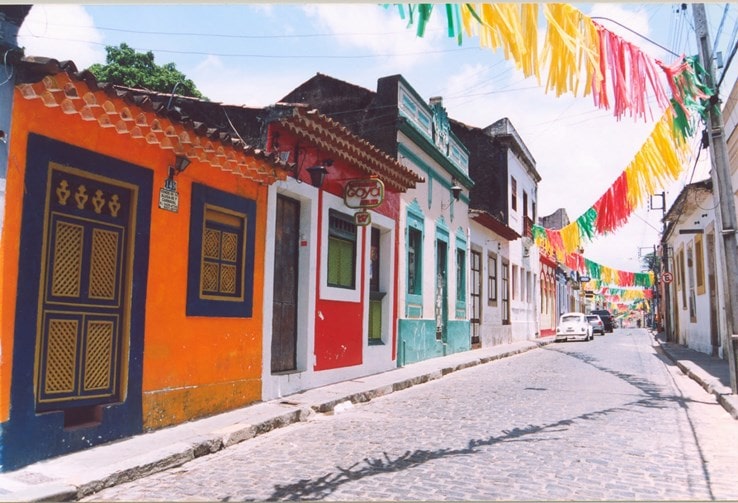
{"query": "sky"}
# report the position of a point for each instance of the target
(254, 54)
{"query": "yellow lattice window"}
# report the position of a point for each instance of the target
(103, 264)
(220, 280)
(61, 353)
(65, 281)
(97, 357)
(222, 254)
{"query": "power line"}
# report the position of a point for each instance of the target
(227, 35)
(720, 28)
(638, 34)
(272, 56)
(726, 66)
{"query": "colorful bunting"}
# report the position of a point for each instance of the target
(582, 57)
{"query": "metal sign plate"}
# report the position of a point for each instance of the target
(363, 193)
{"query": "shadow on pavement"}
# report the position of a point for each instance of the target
(321, 487)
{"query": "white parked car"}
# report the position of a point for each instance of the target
(574, 326)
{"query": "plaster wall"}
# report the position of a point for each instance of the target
(492, 329)
(694, 326)
(192, 366)
(442, 216)
(524, 255)
(332, 344)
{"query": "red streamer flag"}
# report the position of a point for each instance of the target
(613, 208)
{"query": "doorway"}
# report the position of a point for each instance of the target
(441, 297)
(476, 297)
(83, 306)
(286, 279)
(81, 302)
(712, 290)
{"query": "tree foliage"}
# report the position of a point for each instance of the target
(126, 67)
(652, 262)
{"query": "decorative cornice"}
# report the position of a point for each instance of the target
(333, 137)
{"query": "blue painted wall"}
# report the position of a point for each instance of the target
(29, 436)
(417, 341)
(459, 336)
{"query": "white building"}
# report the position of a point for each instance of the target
(504, 204)
(695, 293)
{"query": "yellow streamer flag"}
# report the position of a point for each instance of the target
(571, 44)
(571, 238)
(530, 63)
(510, 26)
(657, 163)
(608, 275)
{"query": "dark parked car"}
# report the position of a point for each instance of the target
(606, 317)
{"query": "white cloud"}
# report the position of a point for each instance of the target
(263, 9)
(636, 21)
(236, 86)
(377, 30)
(63, 32)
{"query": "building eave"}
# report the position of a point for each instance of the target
(336, 139)
(133, 112)
(493, 224)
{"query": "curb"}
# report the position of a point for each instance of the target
(723, 394)
(70, 477)
(712, 385)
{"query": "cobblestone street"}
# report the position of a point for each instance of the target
(609, 419)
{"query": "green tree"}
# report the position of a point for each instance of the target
(652, 262)
(126, 67)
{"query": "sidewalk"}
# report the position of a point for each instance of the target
(712, 373)
(74, 476)
(80, 474)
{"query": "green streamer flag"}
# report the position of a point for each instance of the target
(586, 224)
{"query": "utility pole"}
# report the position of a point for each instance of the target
(664, 288)
(721, 180)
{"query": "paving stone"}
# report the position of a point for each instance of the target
(608, 419)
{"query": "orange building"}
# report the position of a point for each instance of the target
(130, 260)
(333, 231)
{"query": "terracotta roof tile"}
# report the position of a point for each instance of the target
(131, 111)
(333, 136)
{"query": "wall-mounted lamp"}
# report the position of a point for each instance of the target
(455, 193)
(456, 190)
(317, 173)
(180, 164)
